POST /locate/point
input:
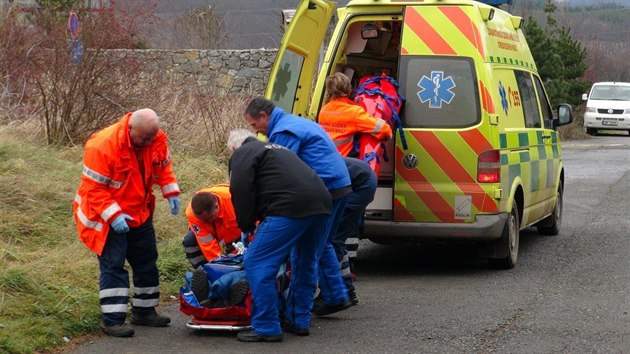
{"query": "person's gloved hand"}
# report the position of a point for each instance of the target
(120, 223)
(174, 203)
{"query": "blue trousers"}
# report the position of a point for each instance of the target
(331, 286)
(138, 247)
(350, 222)
(276, 238)
(220, 288)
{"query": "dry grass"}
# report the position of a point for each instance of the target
(575, 130)
(48, 278)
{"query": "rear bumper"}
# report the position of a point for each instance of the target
(484, 228)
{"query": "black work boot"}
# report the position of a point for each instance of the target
(252, 336)
(238, 292)
(352, 293)
(199, 284)
(289, 327)
(151, 319)
(320, 308)
(117, 330)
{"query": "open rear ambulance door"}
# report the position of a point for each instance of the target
(435, 178)
(291, 76)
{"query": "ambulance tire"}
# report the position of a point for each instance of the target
(507, 245)
(551, 224)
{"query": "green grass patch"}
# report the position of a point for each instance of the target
(48, 278)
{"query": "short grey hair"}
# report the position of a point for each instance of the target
(236, 138)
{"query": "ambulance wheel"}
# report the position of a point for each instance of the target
(507, 245)
(551, 224)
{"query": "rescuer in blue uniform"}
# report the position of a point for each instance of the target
(312, 144)
(364, 184)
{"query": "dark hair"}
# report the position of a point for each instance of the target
(203, 201)
(257, 105)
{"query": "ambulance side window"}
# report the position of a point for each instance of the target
(528, 99)
(545, 107)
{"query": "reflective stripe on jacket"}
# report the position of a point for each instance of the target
(112, 183)
(341, 118)
(224, 228)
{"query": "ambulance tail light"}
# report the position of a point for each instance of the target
(489, 167)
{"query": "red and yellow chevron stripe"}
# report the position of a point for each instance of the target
(441, 30)
(427, 193)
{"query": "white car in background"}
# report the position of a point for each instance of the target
(607, 107)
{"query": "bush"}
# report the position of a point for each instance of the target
(75, 86)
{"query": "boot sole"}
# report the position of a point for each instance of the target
(199, 285)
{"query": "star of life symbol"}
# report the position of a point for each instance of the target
(436, 89)
(504, 101)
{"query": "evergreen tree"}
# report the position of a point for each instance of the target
(560, 58)
(58, 5)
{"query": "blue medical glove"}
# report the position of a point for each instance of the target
(120, 223)
(174, 203)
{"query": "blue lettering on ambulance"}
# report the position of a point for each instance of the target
(504, 101)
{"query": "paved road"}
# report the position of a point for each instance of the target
(568, 293)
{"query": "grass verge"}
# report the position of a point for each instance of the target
(48, 278)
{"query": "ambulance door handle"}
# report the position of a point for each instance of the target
(546, 136)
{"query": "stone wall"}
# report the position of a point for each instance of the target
(216, 71)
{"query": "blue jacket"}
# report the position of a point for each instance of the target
(312, 144)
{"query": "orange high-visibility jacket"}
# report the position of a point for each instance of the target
(341, 118)
(112, 183)
(224, 228)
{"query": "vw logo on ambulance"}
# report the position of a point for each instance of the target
(410, 161)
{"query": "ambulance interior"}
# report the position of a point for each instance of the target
(371, 48)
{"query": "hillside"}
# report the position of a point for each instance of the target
(595, 2)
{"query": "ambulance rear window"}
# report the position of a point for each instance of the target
(441, 92)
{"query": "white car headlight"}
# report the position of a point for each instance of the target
(591, 109)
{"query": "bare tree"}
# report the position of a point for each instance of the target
(201, 28)
(72, 83)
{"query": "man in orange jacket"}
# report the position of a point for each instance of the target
(212, 225)
(212, 229)
(113, 210)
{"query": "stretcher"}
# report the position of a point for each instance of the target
(231, 318)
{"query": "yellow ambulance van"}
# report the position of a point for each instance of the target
(478, 157)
